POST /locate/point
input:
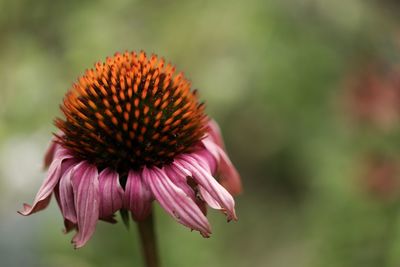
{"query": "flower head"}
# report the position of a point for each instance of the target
(133, 131)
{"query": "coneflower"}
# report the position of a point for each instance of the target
(135, 132)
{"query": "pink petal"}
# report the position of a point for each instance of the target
(68, 224)
(179, 178)
(174, 200)
(215, 133)
(209, 199)
(111, 193)
(229, 176)
(206, 181)
(48, 157)
(212, 148)
(203, 193)
(85, 186)
(67, 202)
(138, 197)
(56, 192)
(183, 179)
(206, 160)
(43, 196)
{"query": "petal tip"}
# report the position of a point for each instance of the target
(78, 242)
(26, 211)
(205, 235)
(232, 218)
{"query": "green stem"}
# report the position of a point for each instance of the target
(148, 241)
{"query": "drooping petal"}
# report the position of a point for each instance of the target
(85, 186)
(137, 196)
(208, 183)
(211, 147)
(209, 199)
(179, 178)
(208, 161)
(229, 176)
(203, 193)
(174, 200)
(111, 193)
(215, 133)
(56, 192)
(55, 171)
(67, 201)
(48, 157)
(184, 181)
(69, 226)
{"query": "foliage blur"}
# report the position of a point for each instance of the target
(306, 93)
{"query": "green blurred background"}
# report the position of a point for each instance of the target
(321, 182)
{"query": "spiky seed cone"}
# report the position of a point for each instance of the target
(129, 112)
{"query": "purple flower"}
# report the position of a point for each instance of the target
(135, 132)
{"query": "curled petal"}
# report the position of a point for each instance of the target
(174, 200)
(111, 193)
(43, 196)
(137, 196)
(85, 186)
(208, 182)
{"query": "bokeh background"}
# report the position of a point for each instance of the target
(307, 94)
